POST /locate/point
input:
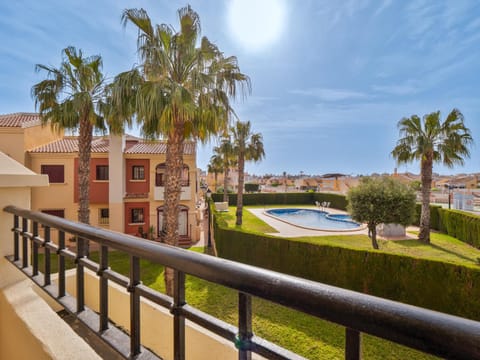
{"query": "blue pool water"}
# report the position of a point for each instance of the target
(315, 219)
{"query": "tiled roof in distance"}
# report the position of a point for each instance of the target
(158, 148)
(18, 119)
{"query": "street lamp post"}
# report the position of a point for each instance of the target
(449, 195)
(209, 238)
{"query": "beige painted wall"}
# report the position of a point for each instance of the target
(56, 196)
(10, 196)
(116, 186)
(156, 324)
(40, 135)
(29, 328)
(11, 143)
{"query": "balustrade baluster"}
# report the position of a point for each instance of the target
(243, 341)
(16, 238)
(35, 249)
(80, 275)
(178, 318)
(134, 306)
(352, 344)
(47, 260)
(61, 264)
(103, 288)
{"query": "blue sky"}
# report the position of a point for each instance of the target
(331, 79)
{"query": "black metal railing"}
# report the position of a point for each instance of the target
(425, 330)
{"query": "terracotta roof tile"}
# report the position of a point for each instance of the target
(19, 119)
(70, 145)
(158, 148)
(100, 145)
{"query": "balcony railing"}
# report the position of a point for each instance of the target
(425, 330)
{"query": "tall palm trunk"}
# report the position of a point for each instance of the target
(225, 184)
(173, 188)
(427, 166)
(241, 179)
(84, 154)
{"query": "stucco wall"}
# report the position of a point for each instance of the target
(11, 143)
(29, 328)
(56, 196)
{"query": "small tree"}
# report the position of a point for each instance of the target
(381, 200)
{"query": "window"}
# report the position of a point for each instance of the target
(182, 220)
(55, 173)
(138, 172)
(137, 215)
(103, 216)
(55, 212)
(160, 177)
(185, 176)
(102, 172)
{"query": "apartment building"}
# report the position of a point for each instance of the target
(127, 177)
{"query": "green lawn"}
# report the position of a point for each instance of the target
(442, 247)
(249, 222)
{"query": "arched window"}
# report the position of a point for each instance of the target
(160, 175)
(160, 172)
(182, 220)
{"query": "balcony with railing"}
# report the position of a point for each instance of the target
(138, 322)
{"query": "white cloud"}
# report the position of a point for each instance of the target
(408, 87)
(327, 94)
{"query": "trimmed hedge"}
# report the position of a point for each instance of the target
(434, 216)
(461, 225)
(336, 201)
(431, 284)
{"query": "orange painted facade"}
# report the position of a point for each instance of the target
(134, 185)
(98, 188)
(137, 226)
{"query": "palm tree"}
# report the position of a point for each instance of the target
(429, 140)
(247, 146)
(224, 155)
(215, 166)
(179, 91)
(72, 97)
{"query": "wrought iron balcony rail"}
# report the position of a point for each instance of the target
(425, 330)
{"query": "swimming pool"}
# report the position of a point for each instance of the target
(315, 219)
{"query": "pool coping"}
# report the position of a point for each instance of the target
(356, 230)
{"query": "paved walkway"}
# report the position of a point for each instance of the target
(287, 230)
